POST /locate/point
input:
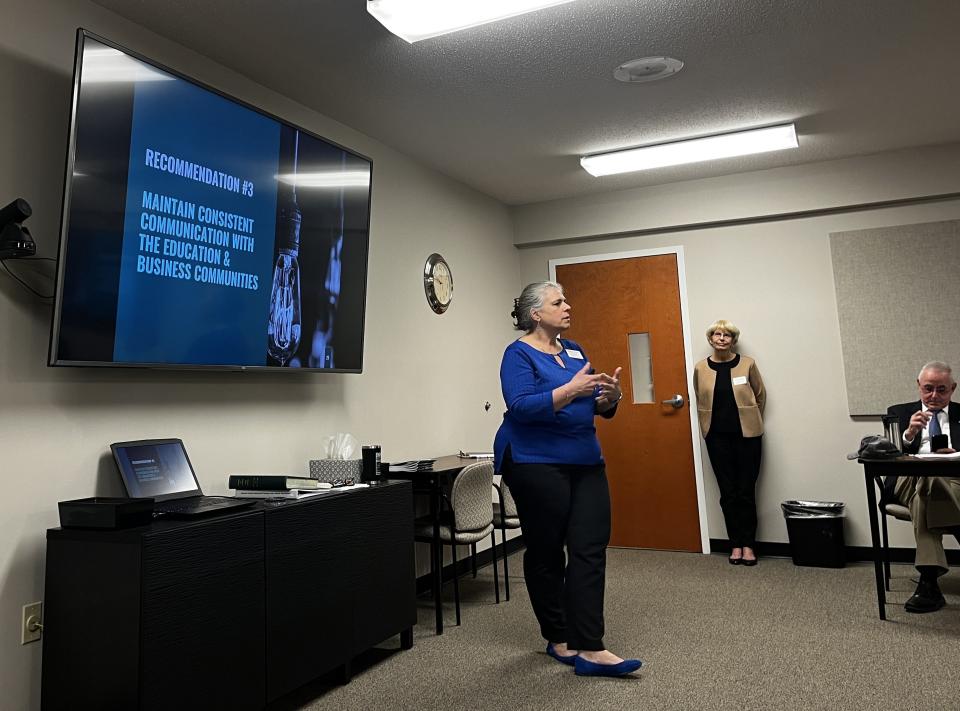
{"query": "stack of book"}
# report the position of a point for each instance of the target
(414, 465)
(274, 486)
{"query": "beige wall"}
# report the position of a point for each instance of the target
(775, 281)
(425, 377)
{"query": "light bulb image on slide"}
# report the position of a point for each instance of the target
(283, 329)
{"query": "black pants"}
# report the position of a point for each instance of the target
(564, 505)
(736, 462)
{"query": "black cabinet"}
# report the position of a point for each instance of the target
(340, 574)
(229, 612)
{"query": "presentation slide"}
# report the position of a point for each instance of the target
(198, 238)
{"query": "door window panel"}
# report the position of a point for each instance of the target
(641, 368)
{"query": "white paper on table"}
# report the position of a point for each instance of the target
(934, 455)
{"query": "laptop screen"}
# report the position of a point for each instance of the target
(157, 468)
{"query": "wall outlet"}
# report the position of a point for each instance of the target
(31, 626)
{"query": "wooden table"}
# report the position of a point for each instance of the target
(431, 483)
(876, 469)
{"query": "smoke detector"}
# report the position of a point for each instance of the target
(637, 71)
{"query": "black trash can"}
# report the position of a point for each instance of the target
(815, 530)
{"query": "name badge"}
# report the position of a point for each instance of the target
(574, 354)
(740, 380)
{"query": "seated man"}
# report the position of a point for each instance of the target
(934, 502)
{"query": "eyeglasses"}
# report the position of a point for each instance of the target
(939, 389)
(342, 482)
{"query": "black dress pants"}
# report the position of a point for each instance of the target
(736, 462)
(563, 505)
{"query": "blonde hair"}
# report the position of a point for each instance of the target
(723, 325)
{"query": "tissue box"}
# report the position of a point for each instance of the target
(332, 470)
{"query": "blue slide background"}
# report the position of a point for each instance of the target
(167, 320)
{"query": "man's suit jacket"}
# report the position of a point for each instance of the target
(903, 413)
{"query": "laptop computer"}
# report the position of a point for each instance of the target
(160, 469)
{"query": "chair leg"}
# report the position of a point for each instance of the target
(493, 547)
(473, 558)
(886, 551)
(496, 581)
(506, 570)
(438, 601)
(456, 582)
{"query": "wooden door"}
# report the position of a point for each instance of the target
(647, 447)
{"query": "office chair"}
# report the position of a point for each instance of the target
(504, 517)
(467, 518)
(897, 511)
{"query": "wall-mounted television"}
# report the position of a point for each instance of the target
(201, 232)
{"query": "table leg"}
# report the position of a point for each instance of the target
(436, 552)
(406, 638)
(875, 538)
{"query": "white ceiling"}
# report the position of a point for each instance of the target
(508, 108)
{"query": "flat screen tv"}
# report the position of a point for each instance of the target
(201, 232)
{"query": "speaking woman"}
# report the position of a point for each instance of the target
(548, 453)
(730, 402)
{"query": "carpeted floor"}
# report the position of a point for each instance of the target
(714, 636)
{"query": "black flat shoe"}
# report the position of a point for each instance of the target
(734, 561)
(749, 562)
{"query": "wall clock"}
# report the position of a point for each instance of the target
(438, 283)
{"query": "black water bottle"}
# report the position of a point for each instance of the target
(371, 463)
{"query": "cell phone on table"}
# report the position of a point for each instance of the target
(940, 441)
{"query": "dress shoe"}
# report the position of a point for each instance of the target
(734, 561)
(927, 598)
(582, 667)
(749, 562)
(569, 659)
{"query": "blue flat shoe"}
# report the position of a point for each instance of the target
(569, 660)
(585, 668)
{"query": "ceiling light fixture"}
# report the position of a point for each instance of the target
(692, 150)
(415, 20)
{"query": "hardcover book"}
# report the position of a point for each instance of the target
(271, 482)
(278, 494)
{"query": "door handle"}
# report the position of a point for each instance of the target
(676, 401)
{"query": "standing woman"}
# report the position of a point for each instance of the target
(548, 453)
(730, 401)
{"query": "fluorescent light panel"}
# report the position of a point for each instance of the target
(693, 150)
(415, 20)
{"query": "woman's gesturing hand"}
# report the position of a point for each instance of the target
(584, 382)
(610, 392)
(605, 388)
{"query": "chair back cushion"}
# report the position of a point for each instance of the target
(509, 505)
(470, 497)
